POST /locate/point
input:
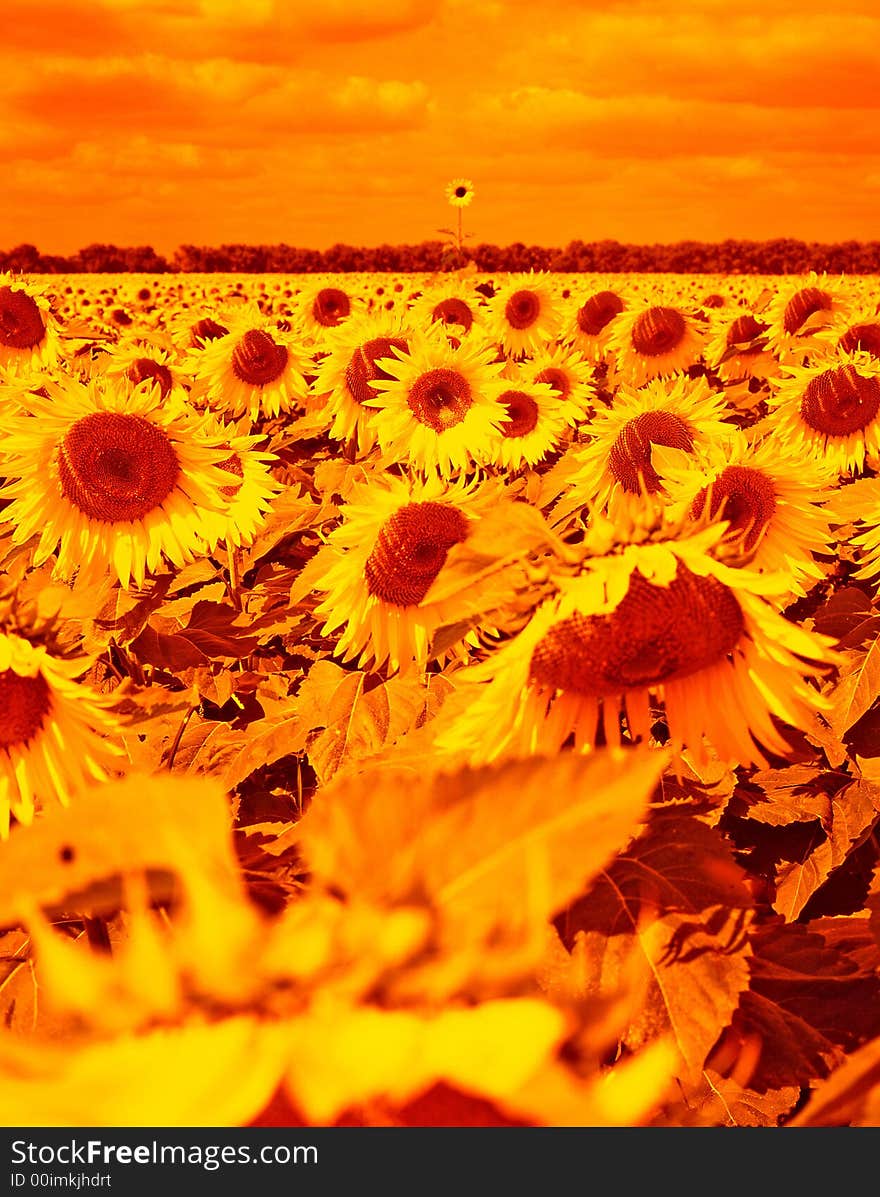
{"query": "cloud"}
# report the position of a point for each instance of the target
(255, 30)
(652, 126)
(214, 101)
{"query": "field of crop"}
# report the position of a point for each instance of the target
(439, 700)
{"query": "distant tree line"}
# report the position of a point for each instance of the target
(780, 256)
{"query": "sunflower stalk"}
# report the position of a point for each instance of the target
(234, 578)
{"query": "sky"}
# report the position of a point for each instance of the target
(162, 122)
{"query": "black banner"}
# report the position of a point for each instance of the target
(481, 1160)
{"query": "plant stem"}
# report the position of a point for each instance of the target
(232, 559)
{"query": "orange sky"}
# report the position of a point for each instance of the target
(205, 121)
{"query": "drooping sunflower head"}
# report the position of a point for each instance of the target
(53, 734)
(654, 340)
(858, 333)
(831, 409)
(656, 630)
(616, 470)
(28, 328)
(800, 316)
(590, 322)
(107, 480)
(383, 559)
(438, 407)
(740, 348)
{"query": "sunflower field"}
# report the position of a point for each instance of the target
(439, 700)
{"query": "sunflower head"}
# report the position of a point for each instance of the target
(459, 192)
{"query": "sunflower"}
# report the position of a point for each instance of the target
(383, 558)
(651, 341)
(858, 332)
(322, 306)
(136, 362)
(799, 318)
(249, 492)
(346, 374)
(52, 734)
(657, 624)
(438, 407)
(115, 480)
(589, 323)
(534, 425)
(570, 377)
(453, 306)
(740, 349)
(523, 314)
(29, 339)
(615, 471)
(771, 498)
(254, 369)
(831, 409)
(460, 192)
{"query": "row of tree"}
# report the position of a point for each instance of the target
(779, 256)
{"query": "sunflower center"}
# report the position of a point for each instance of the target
(454, 311)
(522, 414)
(410, 551)
(363, 370)
(232, 465)
(557, 379)
(861, 336)
(116, 467)
(841, 401)
(743, 331)
(658, 331)
(599, 310)
(25, 703)
(803, 305)
(522, 309)
(257, 359)
(206, 330)
(144, 368)
(461, 192)
(630, 457)
(441, 398)
(21, 324)
(656, 634)
(331, 306)
(744, 497)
